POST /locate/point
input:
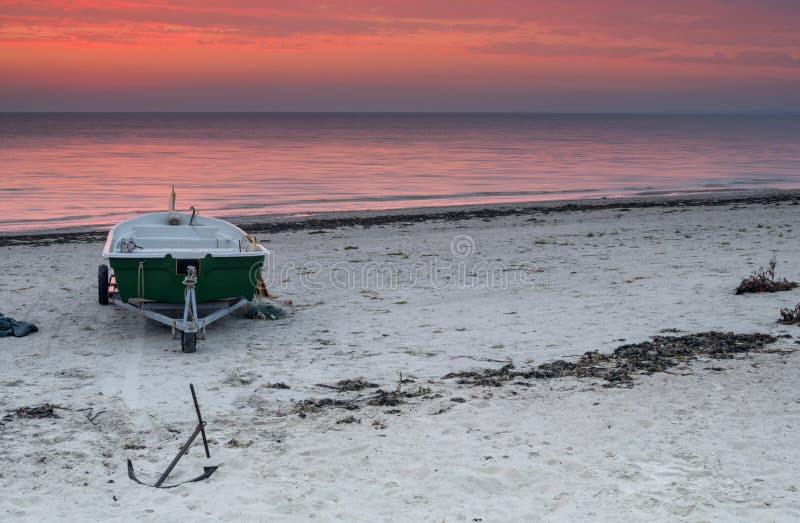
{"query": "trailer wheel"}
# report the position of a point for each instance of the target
(188, 341)
(102, 284)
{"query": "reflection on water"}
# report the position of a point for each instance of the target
(80, 169)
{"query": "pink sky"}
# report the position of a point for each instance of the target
(403, 55)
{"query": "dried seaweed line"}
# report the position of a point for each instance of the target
(619, 367)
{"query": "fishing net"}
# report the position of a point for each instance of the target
(264, 311)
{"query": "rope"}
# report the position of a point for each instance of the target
(189, 281)
(192, 317)
(140, 282)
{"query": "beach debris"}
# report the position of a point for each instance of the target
(47, 239)
(347, 420)
(383, 398)
(276, 385)
(379, 398)
(91, 415)
(483, 377)
(312, 405)
(235, 443)
(46, 410)
(264, 311)
(619, 367)
(763, 280)
(199, 429)
(368, 221)
(790, 316)
(354, 384)
(12, 327)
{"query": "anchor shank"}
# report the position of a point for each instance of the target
(200, 420)
(175, 461)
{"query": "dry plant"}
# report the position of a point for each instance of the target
(763, 280)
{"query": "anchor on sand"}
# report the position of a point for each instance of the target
(200, 429)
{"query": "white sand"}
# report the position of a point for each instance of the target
(694, 443)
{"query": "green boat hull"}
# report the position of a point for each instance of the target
(161, 279)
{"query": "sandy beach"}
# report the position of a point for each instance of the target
(415, 299)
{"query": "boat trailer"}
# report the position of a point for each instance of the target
(191, 325)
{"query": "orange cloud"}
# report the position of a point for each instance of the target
(408, 50)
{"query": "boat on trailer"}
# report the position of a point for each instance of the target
(170, 261)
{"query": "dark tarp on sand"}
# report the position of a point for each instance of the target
(12, 327)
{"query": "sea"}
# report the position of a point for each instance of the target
(95, 169)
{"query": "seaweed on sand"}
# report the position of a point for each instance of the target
(354, 384)
(763, 280)
(619, 367)
(382, 398)
(312, 405)
(379, 398)
(45, 410)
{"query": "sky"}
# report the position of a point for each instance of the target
(400, 55)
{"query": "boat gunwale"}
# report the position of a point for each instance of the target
(178, 252)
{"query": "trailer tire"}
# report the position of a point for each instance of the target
(102, 284)
(188, 341)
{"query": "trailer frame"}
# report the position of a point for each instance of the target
(191, 324)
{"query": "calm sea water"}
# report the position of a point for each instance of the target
(96, 169)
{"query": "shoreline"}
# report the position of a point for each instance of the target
(368, 218)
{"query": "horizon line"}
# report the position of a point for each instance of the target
(792, 112)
